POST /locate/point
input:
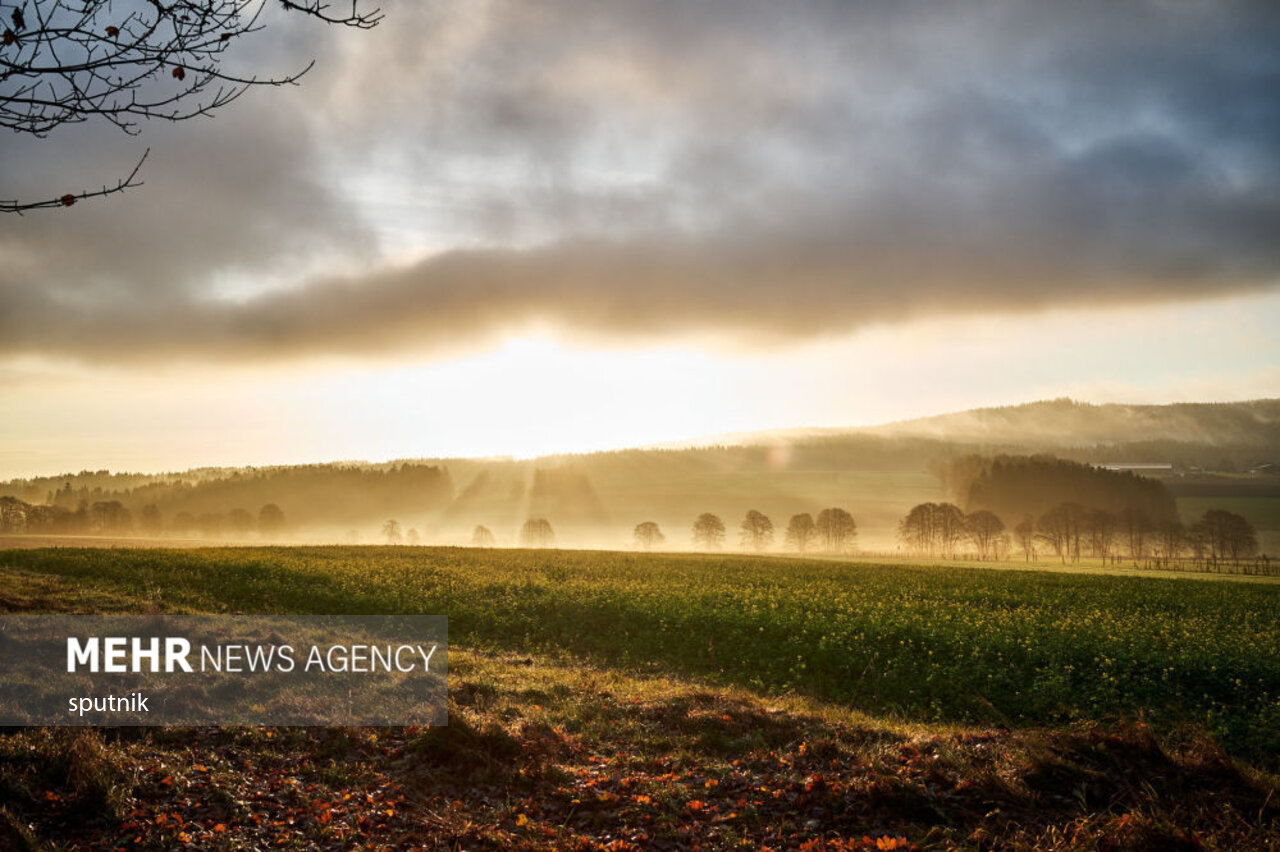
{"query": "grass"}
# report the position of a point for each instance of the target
(926, 643)
(626, 701)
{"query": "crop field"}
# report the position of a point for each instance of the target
(918, 648)
(940, 644)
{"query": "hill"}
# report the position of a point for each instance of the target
(1207, 452)
(1068, 423)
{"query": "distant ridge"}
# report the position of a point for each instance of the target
(1057, 423)
(1068, 423)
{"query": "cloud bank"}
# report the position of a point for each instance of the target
(731, 169)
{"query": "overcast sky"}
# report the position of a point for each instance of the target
(764, 214)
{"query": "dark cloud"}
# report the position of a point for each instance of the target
(739, 170)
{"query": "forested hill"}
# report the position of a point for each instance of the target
(877, 473)
(1067, 423)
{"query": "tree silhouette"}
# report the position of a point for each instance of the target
(836, 529)
(13, 515)
(110, 516)
(481, 537)
(1225, 536)
(757, 531)
(391, 531)
(412, 537)
(537, 532)
(932, 528)
(1061, 528)
(800, 532)
(69, 61)
(270, 520)
(1025, 533)
(1135, 530)
(985, 530)
(648, 535)
(708, 532)
(1170, 540)
(1100, 528)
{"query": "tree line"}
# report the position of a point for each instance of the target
(834, 531)
(112, 517)
(1071, 531)
(1010, 486)
(314, 494)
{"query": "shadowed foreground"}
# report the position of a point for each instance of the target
(542, 755)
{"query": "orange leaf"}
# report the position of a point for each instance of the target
(67, 200)
(113, 31)
(178, 72)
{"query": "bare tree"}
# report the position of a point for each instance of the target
(984, 529)
(837, 530)
(916, 529)
(1225, 536)
(13, 515)
(481, 537)
(1101, 528)
(412, 537)
(800, 532)
(1135, 530)
(1025, 533)
(648, 535)
(708, 532)
(1170, 540)
(1060, 528)
(757, 531)
(69, 61)
(933, 528)
(391, 531)
(537, 532)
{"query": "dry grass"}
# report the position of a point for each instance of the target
(543, 754)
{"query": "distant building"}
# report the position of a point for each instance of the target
(1142, 467)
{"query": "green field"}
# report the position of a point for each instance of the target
(623, 701)
(935, 644)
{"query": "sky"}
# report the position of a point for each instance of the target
(503, 228)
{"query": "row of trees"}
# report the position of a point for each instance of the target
(112, 517)
(1071, 531)
(940, 529)
(317, 495)
(834, 531)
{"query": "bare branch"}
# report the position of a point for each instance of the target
(71, 198)
(70, 61)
